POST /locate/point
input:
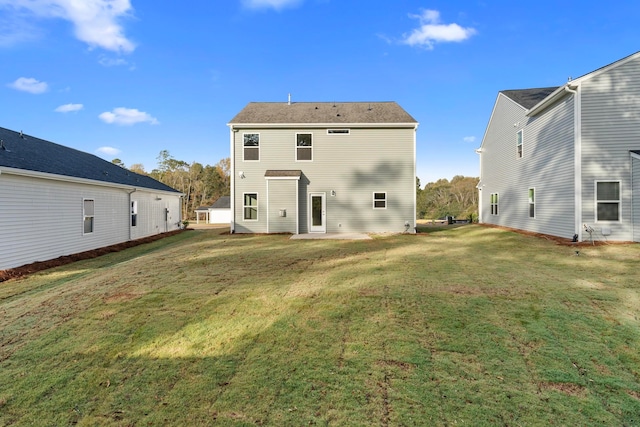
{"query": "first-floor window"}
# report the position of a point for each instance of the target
(134, 213)
(250, 206)
(380, 200)
(607, 200)
(532, 203)
(494, 203)
(87, 215)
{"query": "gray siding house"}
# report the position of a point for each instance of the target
(322, 167)
(565, 160)
(57, 201)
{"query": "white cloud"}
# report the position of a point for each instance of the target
(109, 151)
(469, 139)
(68, 108)
(275, 4)
(127, 117)
(431, 31)
(96, 22)
(28, 84)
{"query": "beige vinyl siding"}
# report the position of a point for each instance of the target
(353, 166)
(42, 219)
(610, 128)
(282, 196)
(547, 165)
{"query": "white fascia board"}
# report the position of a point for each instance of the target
(63, 178)
(321, 125)
(297, 178)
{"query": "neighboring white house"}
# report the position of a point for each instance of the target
(565, 160)
(218, 213)
(57, 201)
(321, 167)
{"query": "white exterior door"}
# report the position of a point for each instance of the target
(317, 213)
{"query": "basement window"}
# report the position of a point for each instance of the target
(532, 203)
(338, 131)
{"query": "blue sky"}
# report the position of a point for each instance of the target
(129, 78)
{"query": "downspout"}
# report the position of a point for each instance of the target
(130, 227)
(232, 182)
(577, 160)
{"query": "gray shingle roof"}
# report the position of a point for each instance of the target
(529, 97)
(33, 154)
(322, 112)
(224, 202)
(293, 173)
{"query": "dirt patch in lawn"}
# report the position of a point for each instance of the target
(24, 270)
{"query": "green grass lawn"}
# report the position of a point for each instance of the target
(462, 326)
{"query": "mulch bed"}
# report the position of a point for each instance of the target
(24, 270)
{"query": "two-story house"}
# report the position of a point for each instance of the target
(565, 160)
(321, 167)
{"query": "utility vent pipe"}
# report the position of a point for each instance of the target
(289, 101)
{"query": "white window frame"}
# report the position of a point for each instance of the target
(618, 201)
(494, 206)
(250, 146)
(338, 131)
(134, 213)
(304, 147)
(520, 143)
(379, 199)
(86, 215)
(245, 206)
(532, 201)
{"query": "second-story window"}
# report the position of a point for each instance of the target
(251, 147)
(304, 147)
(519, 142)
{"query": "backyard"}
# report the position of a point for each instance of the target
(466, 325)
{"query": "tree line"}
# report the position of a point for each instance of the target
(201, 184)
(457, 198)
